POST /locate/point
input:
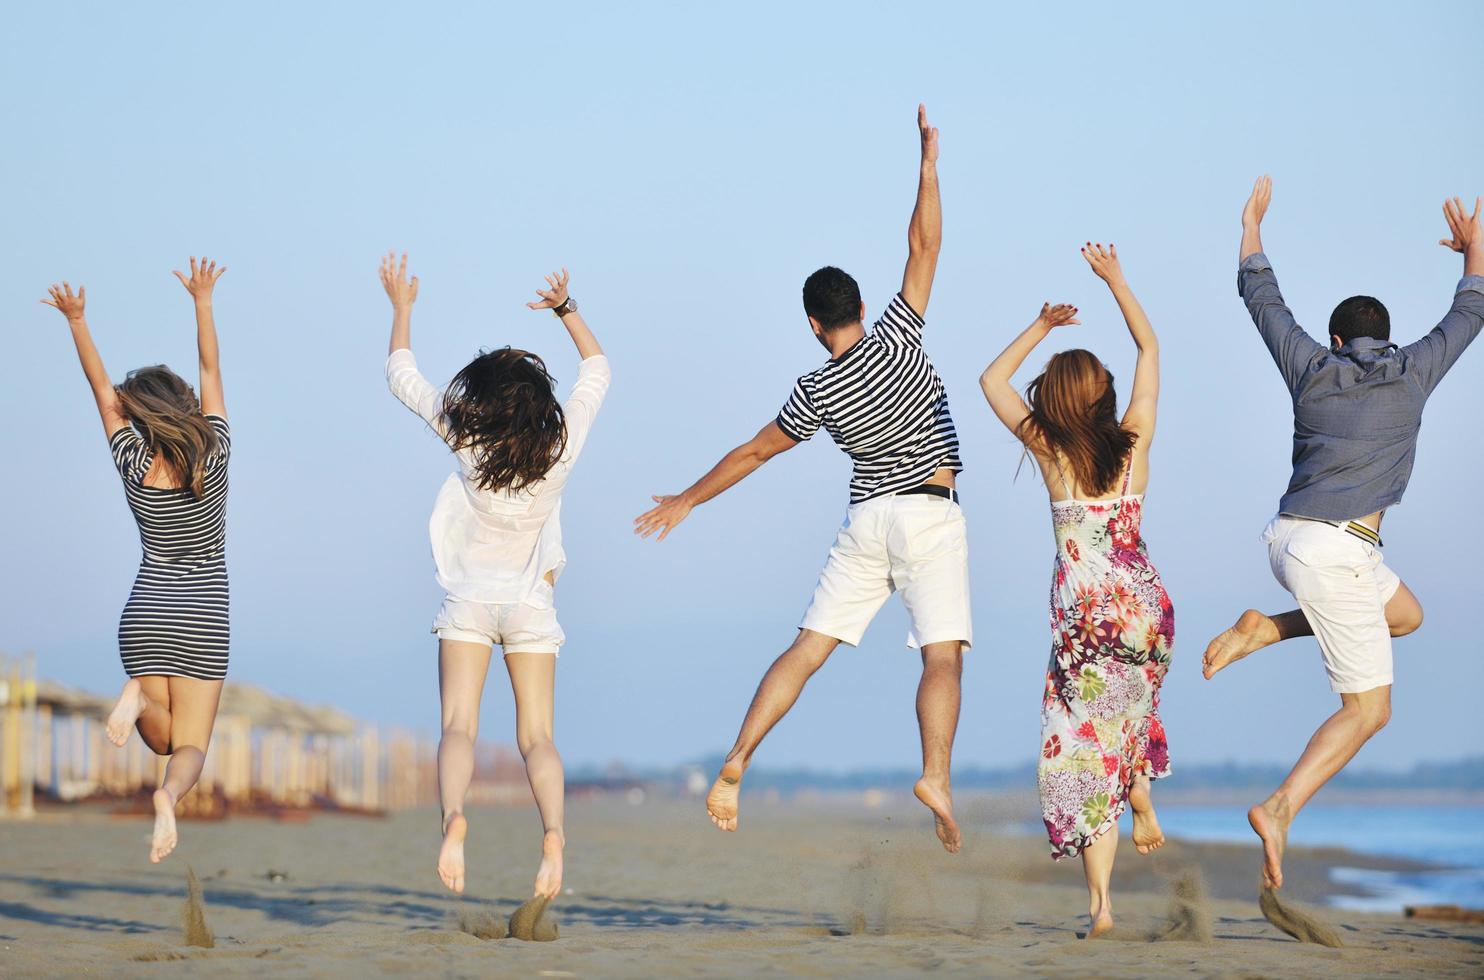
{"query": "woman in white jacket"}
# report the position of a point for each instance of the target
(497, 544)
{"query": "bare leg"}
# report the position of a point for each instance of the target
(1251, 632)
(1097, 865)
(192, 716)
(144, 703)
(533, 679)
(1254, 630)
(938, 696)
(776, 694)
(462, 667)
(1333, 745)
(1148, 837)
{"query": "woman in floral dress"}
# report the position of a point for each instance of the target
(1112, 624)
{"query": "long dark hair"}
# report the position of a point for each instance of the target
(503, 406)
(163, 407)
(1074, 414)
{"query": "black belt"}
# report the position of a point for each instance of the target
(932, 489)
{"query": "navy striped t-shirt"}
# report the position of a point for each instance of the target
(884, 404)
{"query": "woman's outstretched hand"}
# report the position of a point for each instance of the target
(203, 278)
(399, 289)
(1104, 262)
(63, 299)
(1060, 315)
(555, 296)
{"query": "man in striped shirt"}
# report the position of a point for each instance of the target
(882, 401)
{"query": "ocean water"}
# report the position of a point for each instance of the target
(1445, 835)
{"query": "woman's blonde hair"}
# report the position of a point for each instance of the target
(164, 409)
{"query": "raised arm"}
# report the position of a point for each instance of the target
(1008, 406)
(200, 285)
(925, 232)
(107, 399)
(1291, 347)
(1143, 402)
(402, 376)
(403, 293)
(557, 299)
(1252, 215)
(733, 467)
(1441, 347)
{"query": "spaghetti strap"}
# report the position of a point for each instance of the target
(1063, 474)
(1128, 473)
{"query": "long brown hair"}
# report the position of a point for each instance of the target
(1074, 414)
(164, 409)
(504, 407)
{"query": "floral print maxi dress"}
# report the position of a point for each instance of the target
(1112, 633)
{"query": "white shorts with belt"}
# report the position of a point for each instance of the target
(915, 544)
(518, 627)
(1342, 585)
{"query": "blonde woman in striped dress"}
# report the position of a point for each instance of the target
(171, 451)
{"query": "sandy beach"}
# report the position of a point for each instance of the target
(832, 887)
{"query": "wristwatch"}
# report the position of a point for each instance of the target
(569, 305)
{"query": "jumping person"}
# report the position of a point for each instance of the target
(882, 401)
(497, 545)
(1112, 624)
(1357, 409)
(171, 451)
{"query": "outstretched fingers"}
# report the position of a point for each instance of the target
(660, 518)
(63, 299)
(553, 296)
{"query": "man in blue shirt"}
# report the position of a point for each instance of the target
(1357, 409)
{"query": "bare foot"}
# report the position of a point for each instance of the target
(1101, 922)
(549, 875)
(1271, 819)
(131, 705)
(1252, 631)
(164, 838)
(939, 800)
(451, 854)
(1147, 835)
(721, 802)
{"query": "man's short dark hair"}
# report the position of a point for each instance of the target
(832, 298)
(1360, 316)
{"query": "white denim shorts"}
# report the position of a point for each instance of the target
(1342, 585)
(916, 545)
(518, 627)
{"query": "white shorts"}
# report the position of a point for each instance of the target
(517, 626)
(915, 544)
(1342, 586)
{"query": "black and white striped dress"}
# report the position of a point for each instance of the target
(175, 622)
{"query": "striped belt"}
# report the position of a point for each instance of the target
(1364, 532)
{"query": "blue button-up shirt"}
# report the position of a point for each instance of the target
(1356, 410)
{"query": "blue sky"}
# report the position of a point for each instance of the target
(691, 164)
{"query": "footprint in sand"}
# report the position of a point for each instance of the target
(529, 922)
(482, 925)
